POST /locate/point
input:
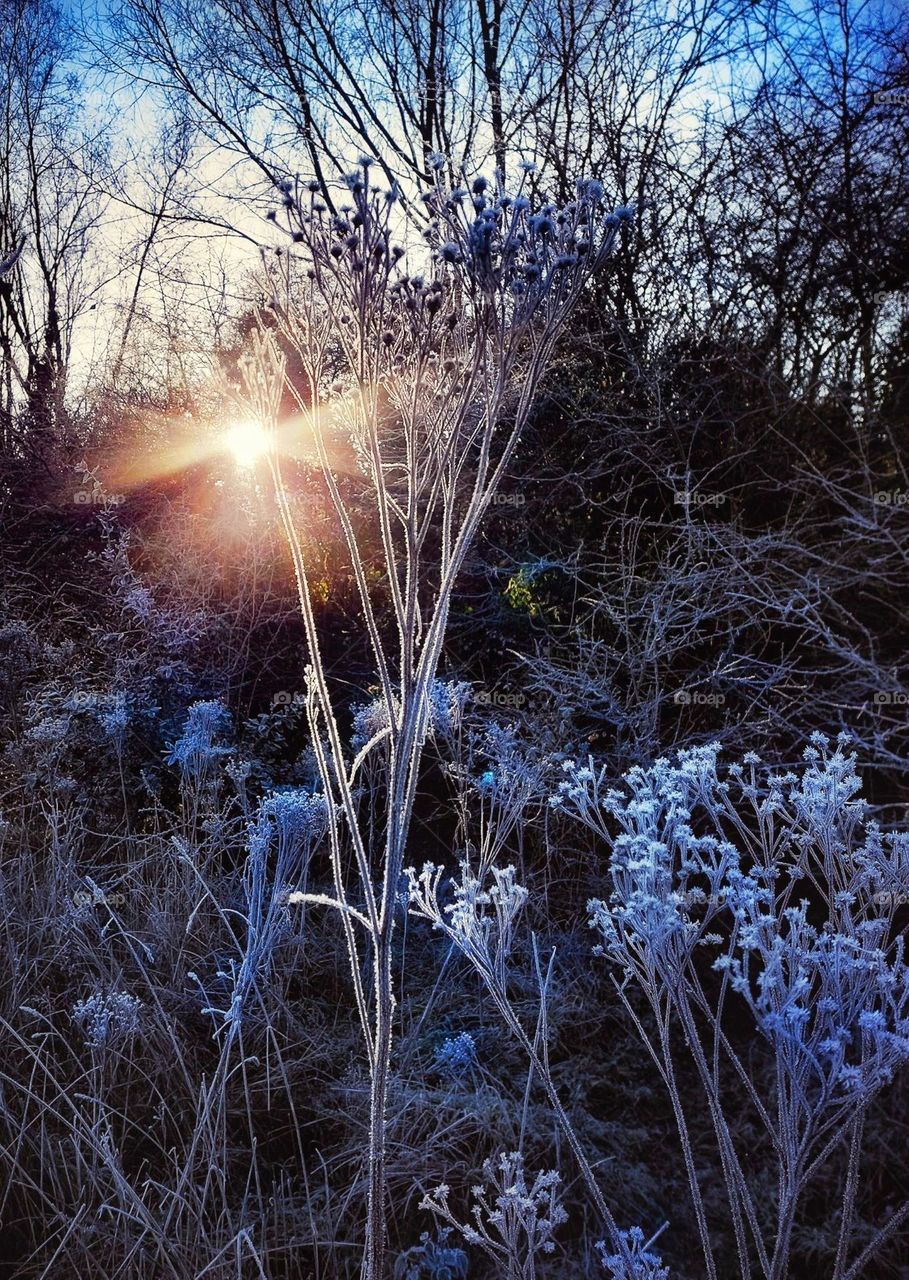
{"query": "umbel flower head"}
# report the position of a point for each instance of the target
(491, 254)
(456, 1056)
(480, 920)
(514, 1219)
(108, 1018)
(504, 242)
(296, 814)
(641, 1264)
(829, 992)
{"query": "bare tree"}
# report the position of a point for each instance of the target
(50, 209)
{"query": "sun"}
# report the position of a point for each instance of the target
(247, 441)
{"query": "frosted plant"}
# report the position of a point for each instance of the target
(427, 366)
(115, 722)
(447, 700)
(508, 779)
(778, 894)
(298, 819)
(640, 1263)
(196, 749)
(371, 720)
(496, 781)
(197, 752)
(49, 731)
(480, 922)
(288, 826)
(108, 1018)
(432, 1260)
(456, 1056)
(513, 1222)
